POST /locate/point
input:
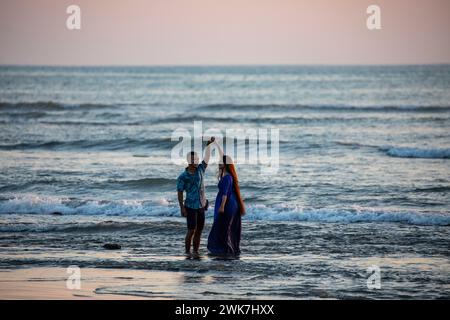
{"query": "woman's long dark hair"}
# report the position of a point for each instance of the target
(231, 169)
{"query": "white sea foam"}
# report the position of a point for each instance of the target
(164, 208)
(280, 213)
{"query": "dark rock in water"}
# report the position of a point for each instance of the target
(112, 246)
(57, 213)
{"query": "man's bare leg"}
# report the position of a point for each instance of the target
(197, 237)
(188, 240)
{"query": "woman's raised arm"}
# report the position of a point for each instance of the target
(220, 150)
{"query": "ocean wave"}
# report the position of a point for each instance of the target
(407, 152)
(432, 189)
(95, 123)
(49, 106)
(145, 183)
(104, 226)
(257, 118)
(20, 116)
(33, 204)
(28, 184)
(164, 208)
(58, 106)
(332, 108)
(113, 144)
(402, 152)
(281, 213)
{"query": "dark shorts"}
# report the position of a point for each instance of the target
(195, 218)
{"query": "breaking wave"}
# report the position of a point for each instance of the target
(165, 208)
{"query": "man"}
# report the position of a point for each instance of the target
(193, 208)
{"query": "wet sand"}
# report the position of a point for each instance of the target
(51, 284)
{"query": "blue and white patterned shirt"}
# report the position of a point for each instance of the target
(192, 183)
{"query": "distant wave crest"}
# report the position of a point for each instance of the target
(348, 108)
(406, 152)
(403, 152)
(107, 144)
(48, 106)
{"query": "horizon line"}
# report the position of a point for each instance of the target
(228, 65)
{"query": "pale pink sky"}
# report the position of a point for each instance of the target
(154, 32)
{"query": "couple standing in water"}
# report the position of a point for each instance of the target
(225, 234)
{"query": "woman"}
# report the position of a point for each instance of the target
(225, 234)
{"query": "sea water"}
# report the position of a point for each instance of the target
(363, 177)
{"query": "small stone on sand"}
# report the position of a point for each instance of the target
(112, 246)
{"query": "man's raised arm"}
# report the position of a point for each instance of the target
(208, 150)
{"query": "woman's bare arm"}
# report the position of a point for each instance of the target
(222, 204)
(220, 150)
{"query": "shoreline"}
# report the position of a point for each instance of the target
(49, 283)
